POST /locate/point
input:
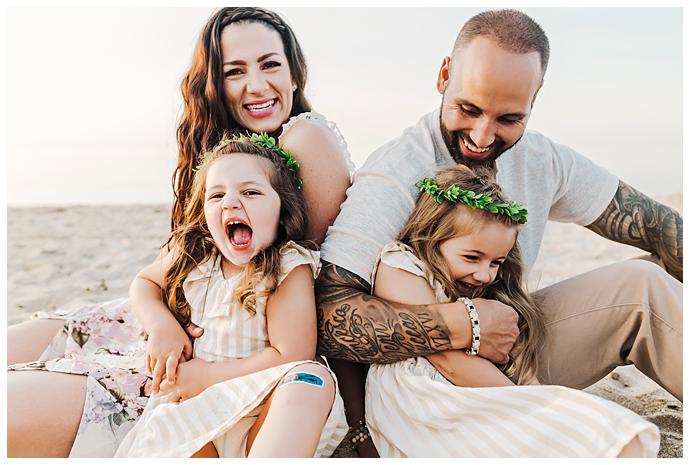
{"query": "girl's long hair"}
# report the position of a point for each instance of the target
(430, 224)
(192, 244)
(206, 116)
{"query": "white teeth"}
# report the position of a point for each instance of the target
(262, 106)
(473, 148)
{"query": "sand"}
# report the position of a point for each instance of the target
(65, 257)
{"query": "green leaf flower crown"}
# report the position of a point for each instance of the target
(265, 141)
(454, 194)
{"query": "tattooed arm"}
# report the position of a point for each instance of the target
(633, 218)
(356, 326)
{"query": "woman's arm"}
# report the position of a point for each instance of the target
(323, 170)
(167, 343)
(456, 366)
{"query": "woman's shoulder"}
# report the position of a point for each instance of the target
(310, 129)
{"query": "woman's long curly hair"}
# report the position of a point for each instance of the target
(430, 224)
(206, 116)
(193, 245)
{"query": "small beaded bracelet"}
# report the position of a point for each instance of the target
(474, 318)
(359, 431)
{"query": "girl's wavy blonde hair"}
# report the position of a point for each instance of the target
(192, 243)
(431, 223)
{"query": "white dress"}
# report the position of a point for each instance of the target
(413, 411)
(107, 343)
(224, 412)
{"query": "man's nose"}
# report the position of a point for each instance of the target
(482, 134)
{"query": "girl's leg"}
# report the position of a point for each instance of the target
(632, 449)
(207, 452)
(291, 422)
(43, 412)
(27, 340)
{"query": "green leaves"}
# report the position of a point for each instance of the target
(263, 140)
(454, 194)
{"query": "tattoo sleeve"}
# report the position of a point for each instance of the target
(633, 218)
(356, 326)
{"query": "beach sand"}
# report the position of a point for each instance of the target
(66, 257)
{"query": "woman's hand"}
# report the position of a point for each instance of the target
(193, 378)
(168, 344)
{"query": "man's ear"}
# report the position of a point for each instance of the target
(534, 98)
(443, 75)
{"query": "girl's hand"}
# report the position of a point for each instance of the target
(193, 378)
(168, 345)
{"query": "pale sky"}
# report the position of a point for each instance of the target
(93, 94)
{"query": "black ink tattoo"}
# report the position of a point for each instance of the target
(633, 218)
(355, 326)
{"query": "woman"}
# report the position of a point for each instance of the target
(247, 74)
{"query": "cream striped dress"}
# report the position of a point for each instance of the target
(413, 411)
(226, 411)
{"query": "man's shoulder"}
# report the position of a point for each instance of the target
(414, 146)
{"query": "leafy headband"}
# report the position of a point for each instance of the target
(454, 194)
(265, 141)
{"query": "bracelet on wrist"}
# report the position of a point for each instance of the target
(474, 319)
(359, 432)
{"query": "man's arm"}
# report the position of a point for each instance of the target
(356, 326)
(633, 218)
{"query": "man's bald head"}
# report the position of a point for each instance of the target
(510, 29)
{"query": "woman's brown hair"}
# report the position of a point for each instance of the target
(431, 223)
(192, 244)
(206, 116)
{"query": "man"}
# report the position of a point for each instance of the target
(620, 314)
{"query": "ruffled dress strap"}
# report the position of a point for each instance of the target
(293, 255)
(319, 118)
(399, 255)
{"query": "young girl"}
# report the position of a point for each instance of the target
(237, 269)
(460, 243)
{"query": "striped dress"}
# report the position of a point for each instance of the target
(224, 412)
(413, 411)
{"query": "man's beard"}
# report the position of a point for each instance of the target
(452, 139)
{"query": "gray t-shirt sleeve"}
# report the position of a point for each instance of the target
(584, 189)
(375, 211)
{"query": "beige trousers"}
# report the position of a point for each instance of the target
(621, 314)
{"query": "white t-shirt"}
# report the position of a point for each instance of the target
(552, 181)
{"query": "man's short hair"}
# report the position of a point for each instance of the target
(512, 30)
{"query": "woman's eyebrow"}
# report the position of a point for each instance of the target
(242, 62)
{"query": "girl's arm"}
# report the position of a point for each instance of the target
(167, 341)
(456, 366)
(291, 322)
(324, 172)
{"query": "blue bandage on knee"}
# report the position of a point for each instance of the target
(302, 377)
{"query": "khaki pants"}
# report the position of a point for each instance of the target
(621, 314)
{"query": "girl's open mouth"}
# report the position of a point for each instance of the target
(239, 234)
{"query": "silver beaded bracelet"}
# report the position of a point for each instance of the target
(474, 318)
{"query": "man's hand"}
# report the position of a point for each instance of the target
(168, 345)
(193, 379)
(499, 329)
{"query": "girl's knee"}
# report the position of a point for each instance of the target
(310, 378)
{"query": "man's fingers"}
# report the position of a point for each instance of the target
(148, 363)
(171, 369)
